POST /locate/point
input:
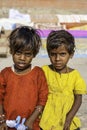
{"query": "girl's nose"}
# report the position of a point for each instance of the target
(57, 57)
(22, 57)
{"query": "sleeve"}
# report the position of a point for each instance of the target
(43, 88)
(80, 85)
(2, 89)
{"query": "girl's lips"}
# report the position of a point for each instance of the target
(21, 64)
(58, 64)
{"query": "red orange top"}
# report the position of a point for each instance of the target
(22, 93)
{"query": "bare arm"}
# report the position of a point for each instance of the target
(38, 110)
(73, 111)
(2, 118)
(2, 115)
(1, 109)
(42, 98)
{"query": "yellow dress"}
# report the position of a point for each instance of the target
(60, 99)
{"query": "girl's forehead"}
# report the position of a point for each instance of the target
(61, 47)
(25, 50)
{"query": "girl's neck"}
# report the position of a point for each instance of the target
(21, 72)
(63, 70)
(60, 71)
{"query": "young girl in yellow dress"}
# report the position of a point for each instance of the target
(66, 86)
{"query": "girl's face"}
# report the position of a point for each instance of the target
(59, 58)
(22, 59)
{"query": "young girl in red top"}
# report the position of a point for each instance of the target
(23, 90)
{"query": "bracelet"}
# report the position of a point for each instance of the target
(39, 109)
(2, 118)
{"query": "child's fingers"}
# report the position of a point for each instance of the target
(3, 127)
(23, 121)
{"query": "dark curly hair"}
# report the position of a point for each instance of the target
(59, 37)
(24, 37)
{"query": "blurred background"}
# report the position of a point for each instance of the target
(47, 15)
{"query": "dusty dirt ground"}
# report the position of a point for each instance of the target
(46, 10)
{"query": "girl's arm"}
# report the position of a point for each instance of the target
(1, 109)
(38, 110)
(42, 98)
(2, 116)
(76, 105)
(2, 91)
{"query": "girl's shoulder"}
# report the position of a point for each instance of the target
(5, 73)
(6, 70)
(74, 72)
(37, 69)
(45, 67)
(48, 70)
(76, 75)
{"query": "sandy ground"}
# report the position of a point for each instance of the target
(54, 7)
(77, 63)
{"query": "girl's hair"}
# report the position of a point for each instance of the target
(24, 37)
(61, 37)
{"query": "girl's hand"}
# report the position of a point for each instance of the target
(2, 118)
(2, 122)
(67, 123)
(66, 126)
(30, 121)
(29, 128)
(3, 126)
(29, 124)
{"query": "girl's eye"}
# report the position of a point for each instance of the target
(62, 54)
(18, 53)
(28, 54)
